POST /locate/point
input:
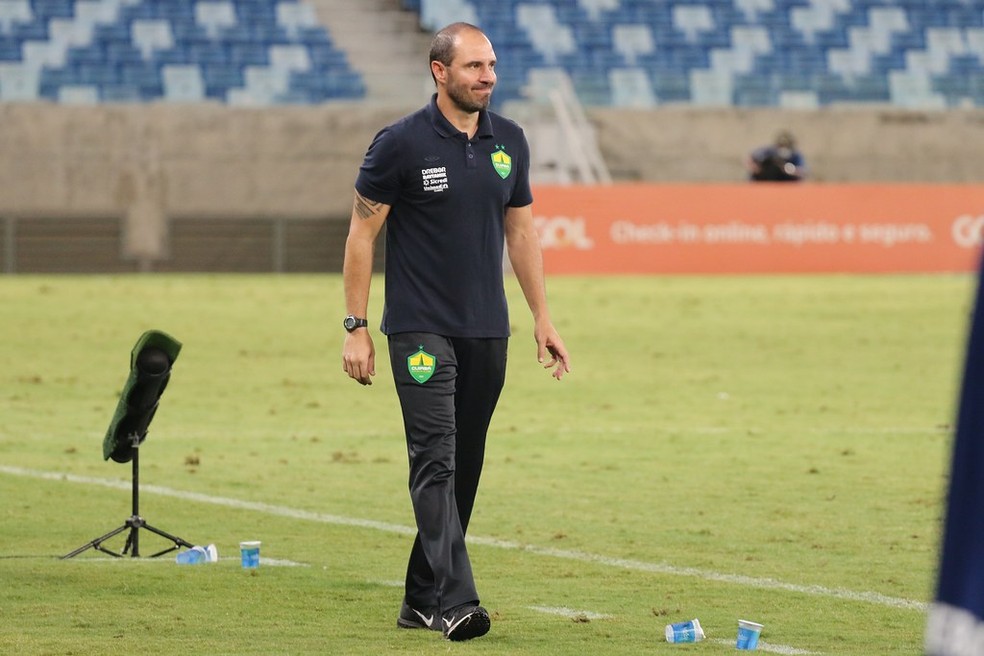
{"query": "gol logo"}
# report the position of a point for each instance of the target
(968, 230)
(563, 232)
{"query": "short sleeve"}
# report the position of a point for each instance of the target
(522, 194)
(379, 175)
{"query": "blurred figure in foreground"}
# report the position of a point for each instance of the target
(778, 162)
(955, 624)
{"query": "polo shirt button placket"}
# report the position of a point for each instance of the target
(470, 155)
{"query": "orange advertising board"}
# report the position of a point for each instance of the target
(760, 228)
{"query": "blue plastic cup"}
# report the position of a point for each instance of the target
(250, 552)
(688, 631)
(192, 556)
(748, 635)
(197, 555)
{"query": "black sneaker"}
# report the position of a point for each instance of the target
(413, 618)
(466, 622)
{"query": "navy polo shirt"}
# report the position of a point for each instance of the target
(444, 233)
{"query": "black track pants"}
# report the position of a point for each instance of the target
(448, 389)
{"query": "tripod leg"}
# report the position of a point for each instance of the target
(97, 543)
(178, 542)
(132, 540)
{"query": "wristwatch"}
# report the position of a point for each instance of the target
(351, 322)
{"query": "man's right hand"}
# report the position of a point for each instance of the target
(359, 356)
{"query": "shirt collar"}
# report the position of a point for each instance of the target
(444, 128)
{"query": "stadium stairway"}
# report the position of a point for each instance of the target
(384, 44)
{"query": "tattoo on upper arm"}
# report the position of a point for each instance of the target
(364, 207)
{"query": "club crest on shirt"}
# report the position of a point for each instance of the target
(421, 365)
(502, 162)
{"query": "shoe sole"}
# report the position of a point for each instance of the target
(410, 624)
(475, 626)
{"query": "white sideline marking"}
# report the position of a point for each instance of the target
(580, 556)
(271, 562)
(569, 612)
(725, 430)
(707, 575)
(769, 647)
(274, 562)
(127, 559)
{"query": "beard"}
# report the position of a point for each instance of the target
(459, 95)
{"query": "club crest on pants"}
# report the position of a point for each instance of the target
(421, 365)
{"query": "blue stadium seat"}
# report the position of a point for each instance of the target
(48, 9)
(208, 52)
(20, 84)
(14, 12)
(592, 85)
(33, 31)
(631, 87)
(671, 87)
(183, 83)
(219, 77)
(976, 84)
(754, 92)
(10, 49)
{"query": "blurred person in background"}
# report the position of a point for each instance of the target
(451, 183)
(780, 161)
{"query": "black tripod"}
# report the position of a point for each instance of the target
(135, 522)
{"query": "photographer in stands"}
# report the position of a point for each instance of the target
(779, 162)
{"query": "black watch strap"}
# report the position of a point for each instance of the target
(352, 322)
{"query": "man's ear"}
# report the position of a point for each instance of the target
(439, 71)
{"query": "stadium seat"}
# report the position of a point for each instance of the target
(548, 36)
(711, 88)
(434, 14)
(913, 89)
(18, 83)
(631, 41)
(692, 19)
(811, 20)
(290, 58)
(798, 100)
(631, 88)
(849, 62)
(594, 9)
(14, 11)
(295, 17)
(214, 16)
(752, 8)
(151, 35)
(729, 62)
(78, 95)
(183, 83)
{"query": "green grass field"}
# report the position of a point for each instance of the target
(764, 448)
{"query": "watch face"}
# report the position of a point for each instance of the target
(349, 323)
